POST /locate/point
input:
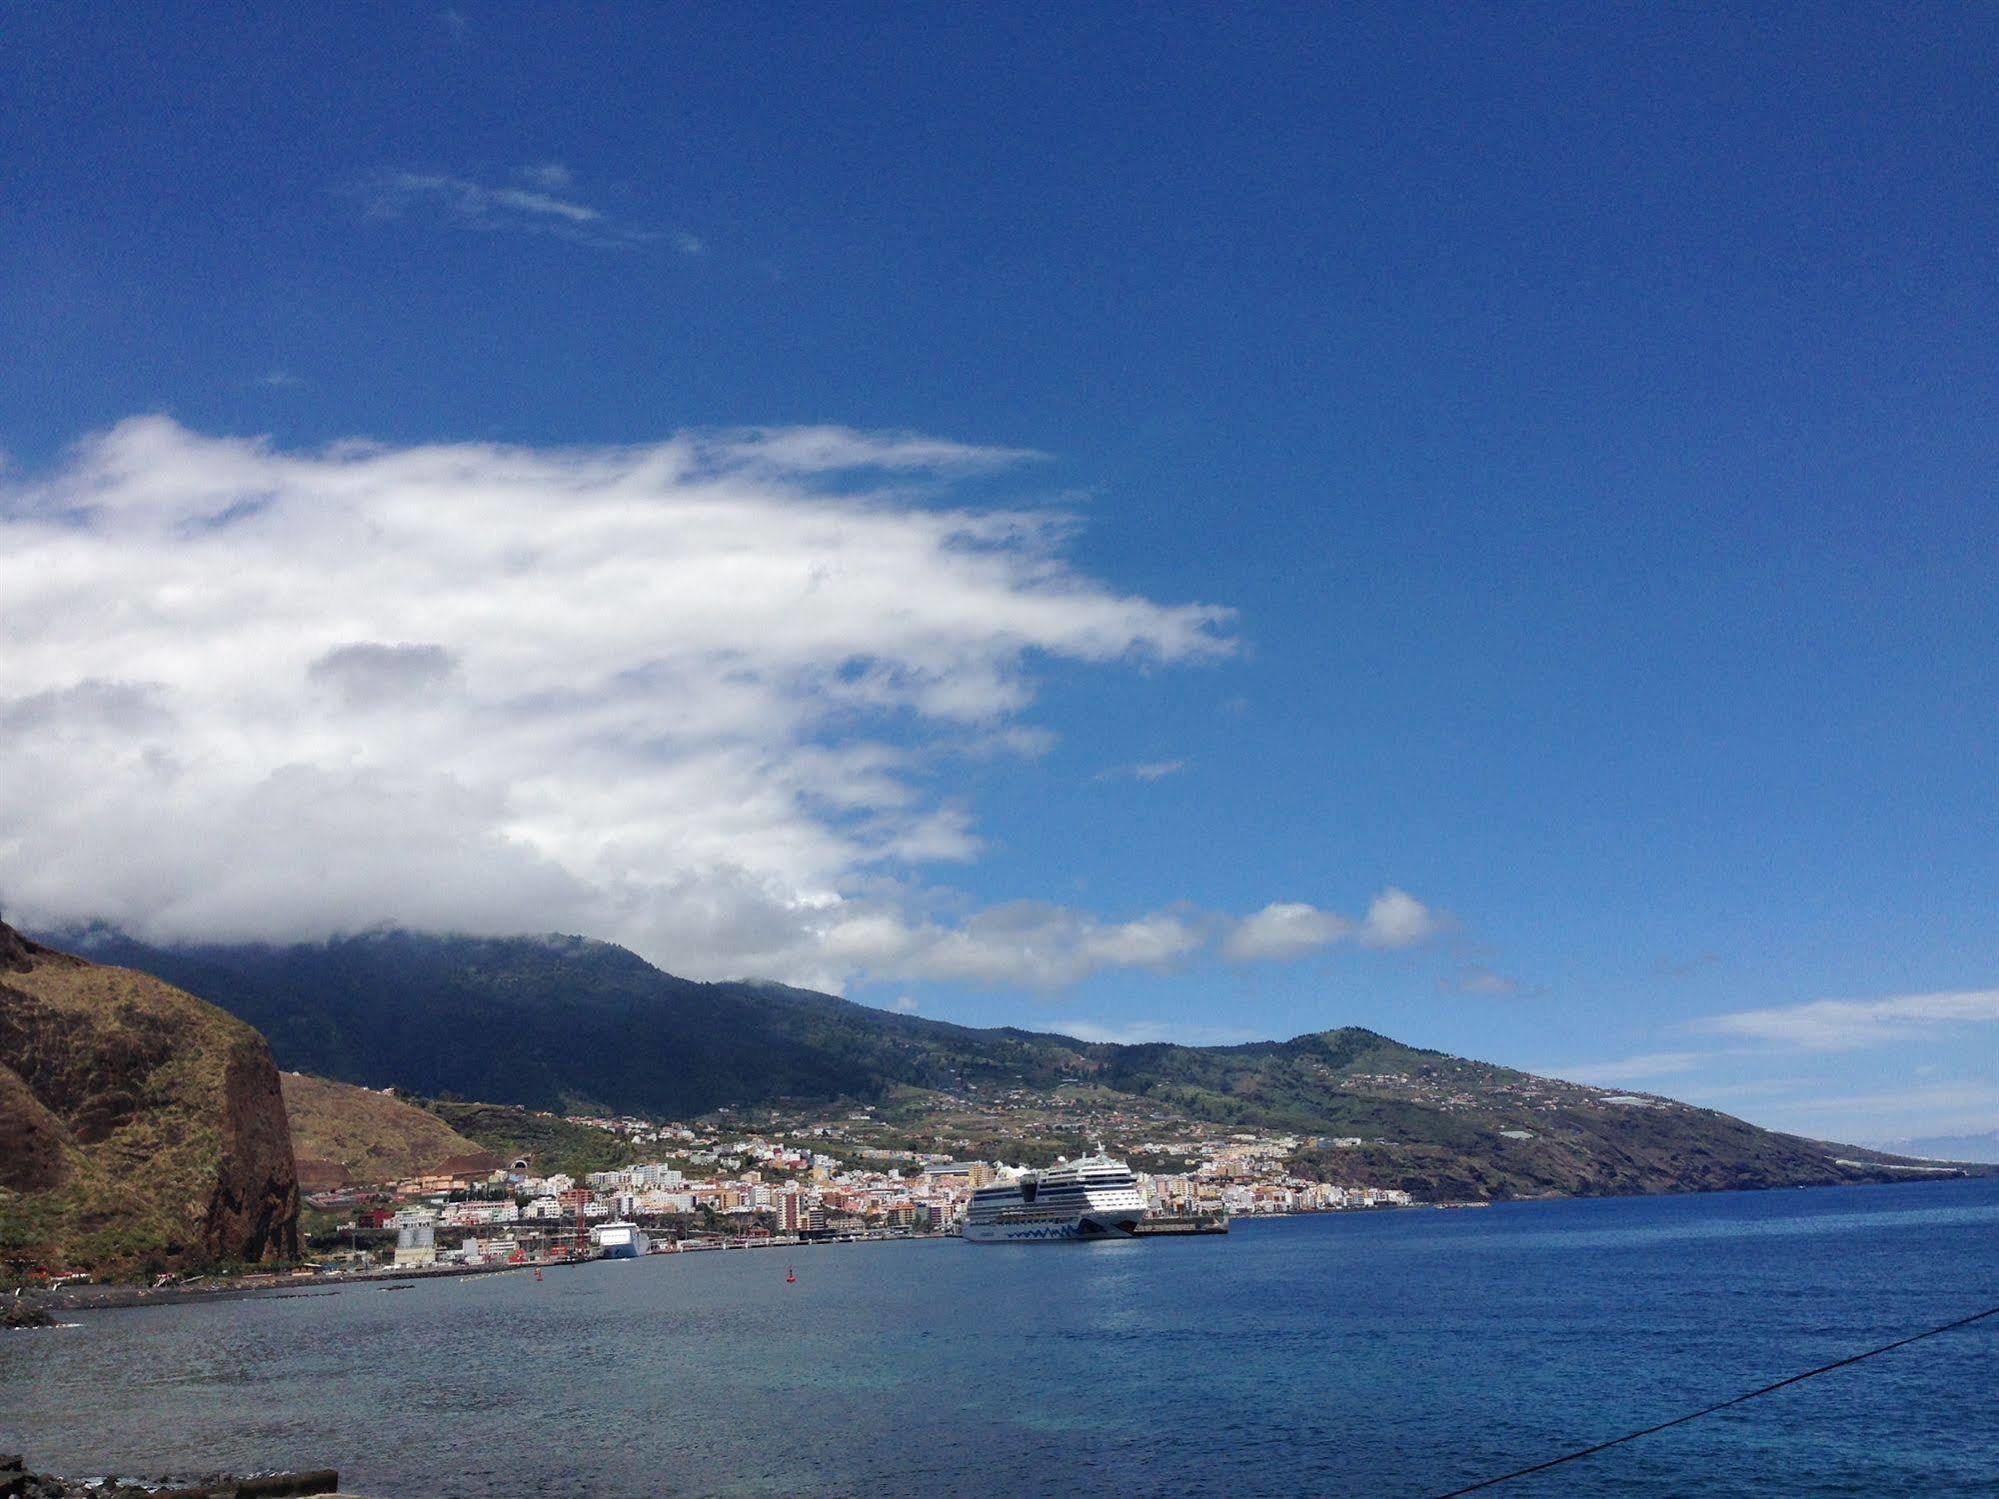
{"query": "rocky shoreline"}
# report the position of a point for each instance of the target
(105, 1297)
(16, 1312)
(16, 1482)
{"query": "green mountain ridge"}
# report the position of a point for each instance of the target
(573, 1024)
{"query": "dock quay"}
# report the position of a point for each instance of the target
(1165, 1227)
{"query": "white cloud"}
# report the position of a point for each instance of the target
(367, 675)
(1848, 1024)
(1629, 1069)
(524, 200)
(682, 695)
(1395, 918)
(1030, 943)
(1144, 1032)
(539, 200)
(687, 696)
(1943, 1108)
(1286, 929)
(549, 176)
(1477, 978)
(1290, 929)
(904, 1005)
(1145, 770)
(1714, 1095)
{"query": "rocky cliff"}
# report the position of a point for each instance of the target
(140, 1128)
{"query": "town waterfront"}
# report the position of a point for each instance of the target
(1389, 1353)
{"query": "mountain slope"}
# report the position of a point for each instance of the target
(562, 1022)
(556, 1022)
(343, 1134)
(139, 1127)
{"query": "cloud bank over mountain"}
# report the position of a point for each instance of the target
(692, 696)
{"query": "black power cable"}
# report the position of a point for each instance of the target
(1632, 1436)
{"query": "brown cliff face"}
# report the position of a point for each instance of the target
(346, 1135)
(140, 1128)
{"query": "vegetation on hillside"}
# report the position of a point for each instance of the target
(141, 1130)
(347, 1135)
(564, 1024)
(552, 1144)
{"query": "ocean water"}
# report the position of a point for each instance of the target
(1398, 1353)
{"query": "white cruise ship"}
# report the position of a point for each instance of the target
(1093, 1197)
(620, 1240)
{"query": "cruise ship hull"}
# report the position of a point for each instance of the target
(1083, 1201)
(1085, 1229)
(621, 1241)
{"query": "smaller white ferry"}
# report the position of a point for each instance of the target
(620, 1240)
(1090, 1198)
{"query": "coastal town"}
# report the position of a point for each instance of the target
(696, 1186)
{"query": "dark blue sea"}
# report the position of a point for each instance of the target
(1395, 1353)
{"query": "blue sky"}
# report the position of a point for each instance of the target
(1580, 423)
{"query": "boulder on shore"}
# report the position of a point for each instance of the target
(14, 1312)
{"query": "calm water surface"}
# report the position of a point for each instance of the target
(1390, 1353)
